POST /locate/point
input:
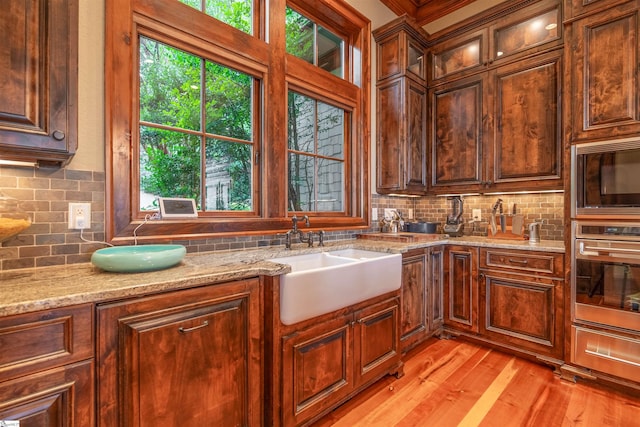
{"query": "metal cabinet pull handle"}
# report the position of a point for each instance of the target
(185, 330)
(518, 261)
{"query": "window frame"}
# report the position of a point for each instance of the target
(262, 56)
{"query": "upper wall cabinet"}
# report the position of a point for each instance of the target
(516, 35)
(38, 80)
(575, 8)
(401, 144)
(605, 84)
(495, 105)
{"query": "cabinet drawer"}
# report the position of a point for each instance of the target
(606, 352)
(34, 341)
(541, 263)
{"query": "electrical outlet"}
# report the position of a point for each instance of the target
(477, 215)
(374, 214)
(409, 213)
(389, 213)
(79, 216)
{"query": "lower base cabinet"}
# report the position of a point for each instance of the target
(191, 357)
(510, 298)
(57, 397)
(522, 300)
(47, 368)
(326, 361)
(421, 313)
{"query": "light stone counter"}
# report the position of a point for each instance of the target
(28, 290)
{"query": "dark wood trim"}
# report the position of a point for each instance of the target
(264, 59)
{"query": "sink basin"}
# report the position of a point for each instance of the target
(323, 282)
(137, 259)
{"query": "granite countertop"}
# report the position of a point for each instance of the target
(44, 288)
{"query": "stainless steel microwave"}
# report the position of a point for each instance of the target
(605, 179)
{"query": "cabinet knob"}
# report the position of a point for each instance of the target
(58, 135)
(481, 276)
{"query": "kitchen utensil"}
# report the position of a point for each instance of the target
(516, 224)
(492, 220)
(503, 220)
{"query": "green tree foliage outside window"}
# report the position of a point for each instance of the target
(176, 150)
(237, 13)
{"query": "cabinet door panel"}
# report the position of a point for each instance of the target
(186, 357)
(207, 340)
(461, 289)
(390, 145)
(317, 370)
(377, 343)
(414, 322)
(416, 137)
(57, 397)
(38, 77)
(436, 275)
(457, 134)
(528, 135)
(521, 312)
(605, 60)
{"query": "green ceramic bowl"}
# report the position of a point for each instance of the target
(137, 259)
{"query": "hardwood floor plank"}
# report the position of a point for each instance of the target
(490, 396)
(451, 383)
(460, 391)
(526, 398)
(415, 387)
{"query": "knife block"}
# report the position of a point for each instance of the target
(509, 233)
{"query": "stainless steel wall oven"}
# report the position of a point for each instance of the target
(605, 278)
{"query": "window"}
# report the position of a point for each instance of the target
(316, 155)
(313, 43)
(237, 13)
(196, 137)
(254, 124)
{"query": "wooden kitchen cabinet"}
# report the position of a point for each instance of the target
(421, 313)
(527, 145)
(189, 357)
(459, 110)
(604, 90)
(575, 8)
(461, 288)
(521, 294)
(47, 367)
(401, 144)
(327, 362)
(38, 100)
(495, 122)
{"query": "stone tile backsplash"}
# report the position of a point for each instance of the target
(45, 194)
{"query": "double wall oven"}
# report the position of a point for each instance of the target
(605, 263)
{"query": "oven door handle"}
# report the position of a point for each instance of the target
(595, 251)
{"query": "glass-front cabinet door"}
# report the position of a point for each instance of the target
(459, 56)
(535, 28)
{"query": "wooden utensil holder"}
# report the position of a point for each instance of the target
(508, 233)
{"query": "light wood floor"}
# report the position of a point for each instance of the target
(456, 383)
